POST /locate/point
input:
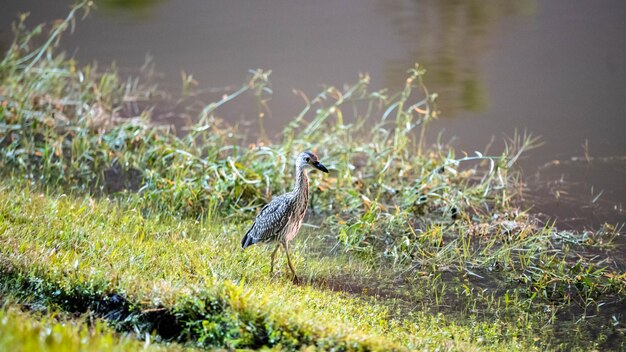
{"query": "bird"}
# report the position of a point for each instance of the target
(280, 220)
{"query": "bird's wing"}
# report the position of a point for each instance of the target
(271, 220)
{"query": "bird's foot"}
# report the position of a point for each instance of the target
(273, 274)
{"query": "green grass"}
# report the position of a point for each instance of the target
(65, 249)
(24, 331)
(414, 246)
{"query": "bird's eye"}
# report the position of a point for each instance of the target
(307, 159)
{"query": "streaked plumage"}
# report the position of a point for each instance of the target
(279, 221)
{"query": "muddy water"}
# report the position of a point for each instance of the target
(556, 68)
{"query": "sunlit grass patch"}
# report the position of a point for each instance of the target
(217, 295)
(30, 331)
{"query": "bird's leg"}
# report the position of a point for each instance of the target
(293, 271)
(273, 257)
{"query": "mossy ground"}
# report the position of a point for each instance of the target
(105, 215)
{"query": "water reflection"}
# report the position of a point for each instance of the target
(449, 37)
(139, 8)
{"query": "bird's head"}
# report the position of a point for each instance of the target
(306, 159)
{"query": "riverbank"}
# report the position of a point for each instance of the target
(105, 214)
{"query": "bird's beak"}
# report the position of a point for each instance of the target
(320, 167)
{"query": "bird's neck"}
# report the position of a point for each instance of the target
(302, 182)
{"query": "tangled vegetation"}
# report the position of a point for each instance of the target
(411, 246)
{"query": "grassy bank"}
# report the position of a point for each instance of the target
(24, 331)
(411, 246)
(85, 255)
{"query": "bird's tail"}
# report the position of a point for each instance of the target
(247, 240)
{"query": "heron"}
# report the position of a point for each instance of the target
(280, 220)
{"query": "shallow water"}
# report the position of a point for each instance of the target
(555, 68)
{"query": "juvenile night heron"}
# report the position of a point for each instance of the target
(279, 221)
